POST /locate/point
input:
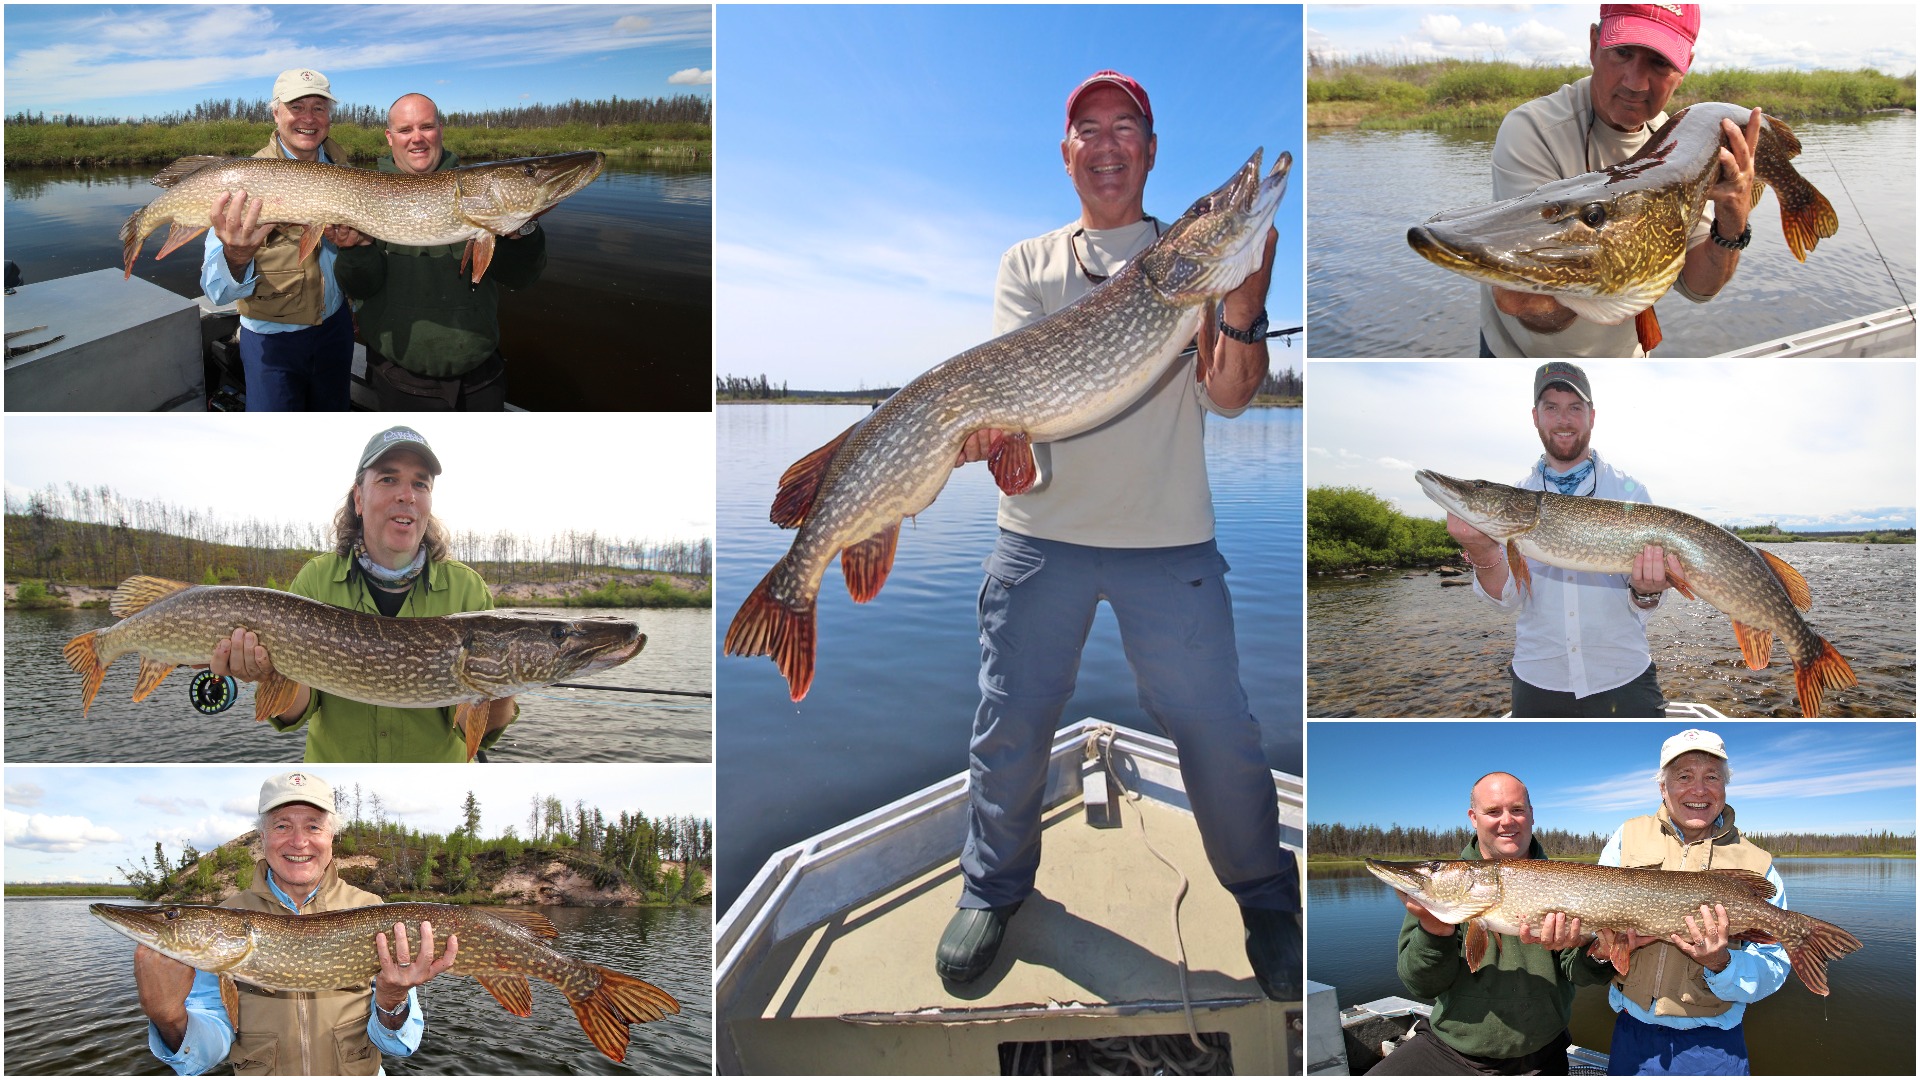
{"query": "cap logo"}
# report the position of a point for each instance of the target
(401, 435)
(309, 76)
(296, 779)
(1674, 8)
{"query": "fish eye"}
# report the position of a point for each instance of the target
(1594, 215)
(559, 631)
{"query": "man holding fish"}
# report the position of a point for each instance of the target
(1122, 512)
(1639, 53)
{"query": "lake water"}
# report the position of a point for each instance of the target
(43, 721)
(1865, 1027)
(1369, 294)
(622, 317)
(1398, 644)
(896, 680)
(71, 1007)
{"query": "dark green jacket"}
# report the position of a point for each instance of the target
(1519, 1000)
(418, 310)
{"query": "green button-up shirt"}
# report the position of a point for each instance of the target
(341, 730)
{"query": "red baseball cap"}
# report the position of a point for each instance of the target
(1668, 29)
(1125, 82)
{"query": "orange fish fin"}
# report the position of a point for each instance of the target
(83, 656)
(1823, 942)
(1621, 956)
(1517, 566)
(178, 235)
(1828, 671)
(1646, 326)
(1759, 190)
(1012, 464)
(470, 720)
(151, 674)
(526, 919)
(1790, 579)
(513, 992)
(1680, 584)
(1806, 217)
(1755, 644)
(867, 563)
(766, 626)
(618, 1002)
(230, 997)
(1206, 343)
(134, 594)
(1476, 949)
(310, 240)
(481, 249)
(274, 696)
(800, 484)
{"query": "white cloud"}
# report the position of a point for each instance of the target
(633, 24)
(57, 833)
(171, 805)
(25, 794)
(1447, 34)
(691, 77)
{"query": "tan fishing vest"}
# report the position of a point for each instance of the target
(295, 1032)
(285, 289)
(1662, 979)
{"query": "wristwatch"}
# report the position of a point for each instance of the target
(1248, 336)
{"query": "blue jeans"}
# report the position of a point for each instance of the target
(307, 370)
(1176, 627)
(1643, 1049)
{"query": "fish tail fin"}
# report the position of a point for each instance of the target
(866, 564)
(83, 656)
(1822, 942)
(767, 626)
(138, 592)
(1828, 670)
(618, 1002)
(1806, 217)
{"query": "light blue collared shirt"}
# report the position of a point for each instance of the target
(209, 1034)
(217, 281)
(1753, 971)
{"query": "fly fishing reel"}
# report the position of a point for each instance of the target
(212, 694)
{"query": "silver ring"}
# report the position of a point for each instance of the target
(408, 964)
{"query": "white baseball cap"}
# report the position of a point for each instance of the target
(1692, 739)
(296, 83)
(296, 787)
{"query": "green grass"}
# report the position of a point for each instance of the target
(71, 890)
(658, 593)
(119, 144)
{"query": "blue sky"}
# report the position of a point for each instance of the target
(1813, 777)
(78, 824)
(1811, 446)
(872, 164)
(1845, 37)
(140, 60)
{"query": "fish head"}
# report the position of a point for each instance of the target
(502, 196)
(207, 938)
(512, 651)
(1454, 890)
(1221, 238)
(1495, 509)
(1599, 243)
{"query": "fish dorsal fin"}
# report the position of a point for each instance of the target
(800, 484)
(1790, 578)
(185, 167)
(139, 591)
(1757, 884)
(531, 921)
(1755, 644)
(867, 563)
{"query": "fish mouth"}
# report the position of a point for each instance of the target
(1505, 255)
(139, 923)
(1406, 877)
(1223, 234)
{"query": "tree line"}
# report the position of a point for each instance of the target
(678, 109)
(1360, 841)
(1351, 527)
(1288, 383)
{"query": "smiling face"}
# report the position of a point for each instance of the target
(1564, 421)
(1502, 816)
(1694, 787)
(413, 133)
(1631, 83)
(394, 498)
(303, 124)
(299, 844)
(1109, 152)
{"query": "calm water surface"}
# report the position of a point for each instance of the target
(1865, 1027)
(71, 1007)
(896, 680)
(43, 721)
(1368, 294)
(622, 317)
(1398, 644)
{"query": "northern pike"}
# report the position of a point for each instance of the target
(499, 948)
(1068, 373)
(1608, 244)
(1761, 594)
(472, 203)
(466, 660)
(1498, 895)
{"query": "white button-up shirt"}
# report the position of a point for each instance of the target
(1579, 631)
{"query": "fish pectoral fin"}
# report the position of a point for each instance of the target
(800, 484)
(230, 997)
(867, 563)
(1517, 566)
(1680, 584)
(310, 240)
(1646, 326)
(1755, 644)
(151, 674)
(513, 992)
(1011, 461)
(134, 594)
(470, 720)
(1790, 580)
(178, 235)
(480, 250)
(272, 697)
(1476, 946)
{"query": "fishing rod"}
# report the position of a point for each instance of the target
(1902, 293)
(630, 689)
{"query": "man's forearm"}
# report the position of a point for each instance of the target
(1709, 267)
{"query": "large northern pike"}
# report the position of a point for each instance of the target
(500, 948)
(1761, 594)
(465, 660)
(1068, 373)
(1608, 244)
(471, 203)
(1498, 895)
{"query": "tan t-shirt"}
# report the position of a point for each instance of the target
(1140, 479)
(1554, 138)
